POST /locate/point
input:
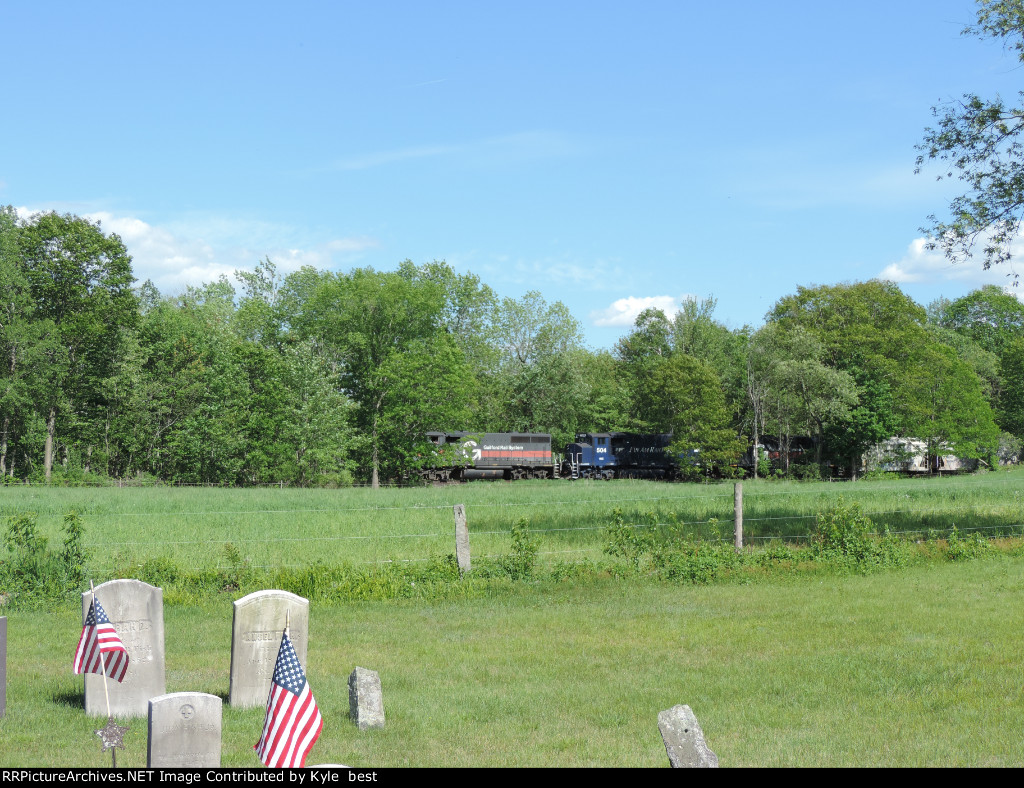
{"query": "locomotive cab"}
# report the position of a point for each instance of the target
(590, 457)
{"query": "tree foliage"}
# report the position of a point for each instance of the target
(977, 140)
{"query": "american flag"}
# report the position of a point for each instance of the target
(99, 641)
(293, 722)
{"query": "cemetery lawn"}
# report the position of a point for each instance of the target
(918, 667)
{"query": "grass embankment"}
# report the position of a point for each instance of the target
(919, 667)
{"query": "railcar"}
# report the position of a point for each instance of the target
(463, 456)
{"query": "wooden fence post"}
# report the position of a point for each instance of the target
(737, 506)
(461, 539)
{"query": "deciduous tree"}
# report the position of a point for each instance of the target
(977, 140)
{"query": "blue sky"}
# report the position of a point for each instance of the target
(609, 155)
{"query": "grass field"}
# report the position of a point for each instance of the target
(274, 527)
(914, 668)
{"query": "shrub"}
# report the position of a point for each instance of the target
(520, 564)
(960, 549)
(844, 535)
(697, 563)
(34, 574)
(627, 541)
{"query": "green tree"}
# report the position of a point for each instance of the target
(1011, 402)
(948, 408)
(539, 379)
(81, 280)
(977, 140)
(367, 320)
(989, 316)
(683, 395)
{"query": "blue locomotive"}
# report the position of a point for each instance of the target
(623, 455)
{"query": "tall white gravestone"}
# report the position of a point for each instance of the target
(184, 730)
(136, 610)
(256, 629)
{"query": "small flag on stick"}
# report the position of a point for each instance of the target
(100, 650)
(293, 721)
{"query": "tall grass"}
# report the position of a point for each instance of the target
(270, 527)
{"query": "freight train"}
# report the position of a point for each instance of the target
(463, 456)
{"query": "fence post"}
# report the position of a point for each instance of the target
(737, 507)
(461, 539)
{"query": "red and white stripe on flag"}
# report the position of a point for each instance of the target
(100, 649)
(293, 722)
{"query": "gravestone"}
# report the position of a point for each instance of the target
(256, 630)
(684, 740)
(184, 730)
(3, 666)
(365, 699)
(136, 610)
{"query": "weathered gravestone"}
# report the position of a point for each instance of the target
(136, 610)
(256, 630)
(184, 730)
(3, 665)
(684, 740)
(365, 699)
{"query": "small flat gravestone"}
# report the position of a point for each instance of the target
(256, 630)
(365, 699)
(184, 730)
(3, 666)
(136, 610)
(684, 740)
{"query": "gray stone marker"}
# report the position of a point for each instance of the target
(136, 610)
(461, 539)
(256, 630)
(184, 730)
(3, 666)
(365, 699)
(684, 740)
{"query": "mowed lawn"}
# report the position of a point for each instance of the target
(921, 667)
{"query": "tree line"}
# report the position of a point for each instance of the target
(328, 378)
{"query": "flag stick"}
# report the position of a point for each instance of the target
(103, 665)
(103, 670)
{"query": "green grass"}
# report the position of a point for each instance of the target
(272, 527)
(919, 667)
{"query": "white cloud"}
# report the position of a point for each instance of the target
(624, 311)
(920, 265)
(194, 252)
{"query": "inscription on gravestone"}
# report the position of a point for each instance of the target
(136, 610)
(256, 629)
(184, 730)
(3, 665)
